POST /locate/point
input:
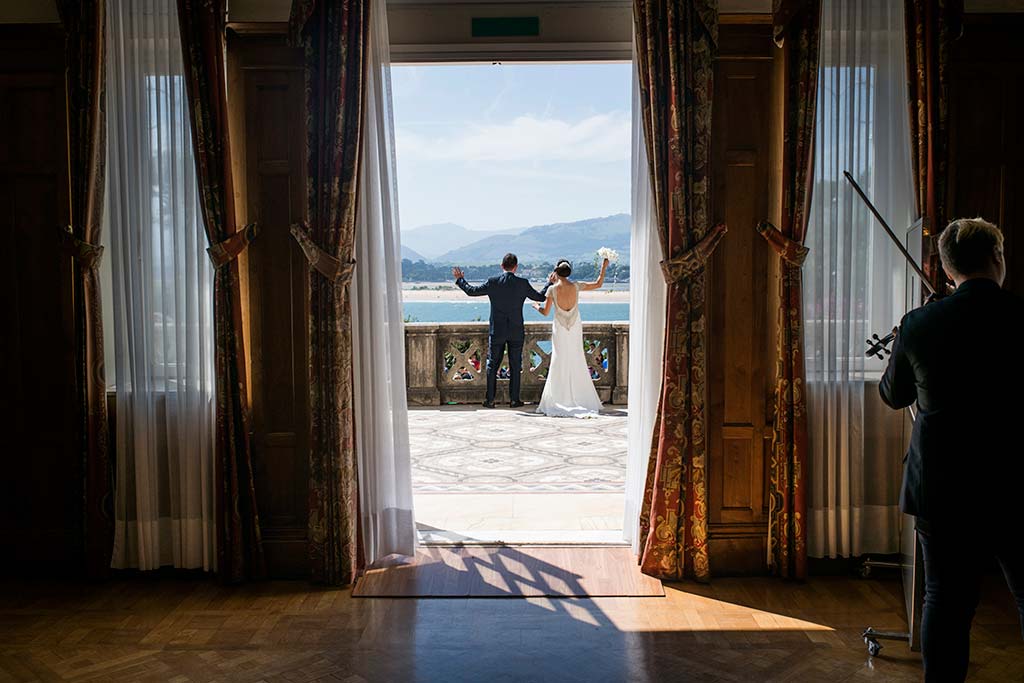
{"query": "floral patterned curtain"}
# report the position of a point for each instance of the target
(202, 25)
(932, 26)
(333, 34)
(676, 42)
(84, 24)
(787, 529)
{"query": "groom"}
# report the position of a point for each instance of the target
(507, 293)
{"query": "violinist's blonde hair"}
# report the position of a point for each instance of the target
(966, 245)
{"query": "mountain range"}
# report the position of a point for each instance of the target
(537, 244)
(412, 254)
(432, 241)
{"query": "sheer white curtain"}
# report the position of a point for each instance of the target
(646, 326)
(382, 421)
(162, 299)
(854, 278)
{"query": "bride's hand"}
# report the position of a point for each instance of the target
(604, 265)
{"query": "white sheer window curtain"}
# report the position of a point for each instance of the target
(854, 278)
(382, 421)
(646, 326)
(162, 323)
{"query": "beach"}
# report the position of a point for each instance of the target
(449, 291)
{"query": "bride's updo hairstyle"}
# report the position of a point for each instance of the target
(563, 269)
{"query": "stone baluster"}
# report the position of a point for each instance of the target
(621, 390)
(422, 369)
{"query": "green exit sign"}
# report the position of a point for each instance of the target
(505, 27)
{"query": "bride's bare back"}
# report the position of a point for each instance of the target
(566, 294)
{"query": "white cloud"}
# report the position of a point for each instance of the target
(599, 138)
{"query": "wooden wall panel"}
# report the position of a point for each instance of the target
(739, 359)
(40, 511)
(986, 170)
(272, 149)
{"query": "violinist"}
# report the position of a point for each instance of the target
(961, 359)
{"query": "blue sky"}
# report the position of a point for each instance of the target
(493, 147)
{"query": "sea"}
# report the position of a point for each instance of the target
(471, 311)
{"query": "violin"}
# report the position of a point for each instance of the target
(878, 347)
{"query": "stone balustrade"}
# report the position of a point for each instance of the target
(446, 362)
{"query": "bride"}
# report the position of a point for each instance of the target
(569, 389)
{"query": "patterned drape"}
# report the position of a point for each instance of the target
(676, 42)
(333, 34)
(202, 25)
(84, 24)
(931, 26)
(787, 529)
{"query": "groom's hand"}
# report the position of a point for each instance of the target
(457, 273)
(552, 278)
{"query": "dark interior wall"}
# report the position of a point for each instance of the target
(986, 170)
(39, 486)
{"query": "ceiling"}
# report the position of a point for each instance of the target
(45, 11)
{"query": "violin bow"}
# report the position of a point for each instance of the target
(888, 231)
(878, 347)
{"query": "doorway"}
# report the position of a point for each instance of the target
(532, 159)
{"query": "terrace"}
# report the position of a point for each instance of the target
(485, 476)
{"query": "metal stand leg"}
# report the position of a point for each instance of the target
(871, 638)
(870, 635)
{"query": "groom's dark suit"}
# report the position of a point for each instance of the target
(507, 293)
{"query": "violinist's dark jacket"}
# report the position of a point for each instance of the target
(962, 360)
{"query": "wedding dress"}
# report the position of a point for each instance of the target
(568, 390)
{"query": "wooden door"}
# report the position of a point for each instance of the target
(739, 355)
(273, 147)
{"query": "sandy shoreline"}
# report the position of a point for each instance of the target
(452, 293)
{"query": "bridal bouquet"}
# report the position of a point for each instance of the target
(606, 253)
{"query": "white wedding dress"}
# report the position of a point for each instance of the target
(568, 389)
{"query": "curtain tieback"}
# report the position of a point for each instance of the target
(86, 254)
(226, 251)
(686, 265)
(330, 267)
(790, 251)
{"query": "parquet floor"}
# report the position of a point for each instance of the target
(507, 571)
(732, 630)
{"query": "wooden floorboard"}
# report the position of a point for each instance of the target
(511, 572)
(733, 630)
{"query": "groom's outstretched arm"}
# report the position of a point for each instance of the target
(471, 290)
(533, 294)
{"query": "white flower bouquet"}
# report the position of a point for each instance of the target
(607, 253)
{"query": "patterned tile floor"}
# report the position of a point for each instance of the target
(469, 449)
(514, 476)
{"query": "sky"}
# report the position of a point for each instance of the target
(494, 147)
